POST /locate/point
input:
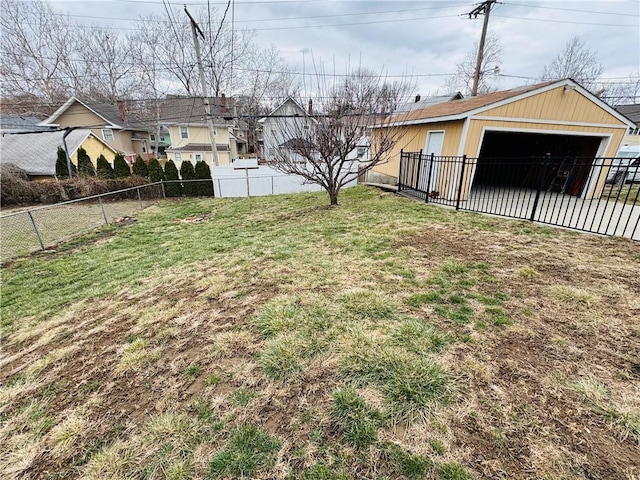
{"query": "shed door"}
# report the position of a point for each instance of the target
(434, 146)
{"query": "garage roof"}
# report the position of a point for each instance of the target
(460, 109)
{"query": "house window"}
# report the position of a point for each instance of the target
(107, 134)
(144, 147)
(199, 157)
(152, 137)
(178, 157)
(215, 131)
(361, 151)
(184, 132)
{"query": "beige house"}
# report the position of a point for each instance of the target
(186, 121)
(107, 122)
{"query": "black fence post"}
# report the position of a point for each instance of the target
(460, 181)
(400, 171)
(543, 172)
(431, 160)
(418, 171)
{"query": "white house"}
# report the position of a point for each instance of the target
(278, 126)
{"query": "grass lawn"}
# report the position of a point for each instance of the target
(384, 338)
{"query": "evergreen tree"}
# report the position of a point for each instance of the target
(61, 165)
(205, 187)
(188, 173)
(85, 167)
(173, 188)
(104, 169)
(155, 170)
(140, 168)
(120, 166)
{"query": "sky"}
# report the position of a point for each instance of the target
(421, 38)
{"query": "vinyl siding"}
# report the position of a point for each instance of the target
(199, 134)
(555, 105)
(78, 115)
(414, 139)
(94, 149)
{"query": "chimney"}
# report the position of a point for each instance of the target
(223, 99)
(122, 107)
(417, 98)
(310, 107)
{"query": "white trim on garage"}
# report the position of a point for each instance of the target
(548, 122)
(434, 172)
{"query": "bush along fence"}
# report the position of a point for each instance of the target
(597, 195)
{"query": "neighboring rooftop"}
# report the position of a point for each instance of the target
(177, 109)
(632, 112)
(422, 103)
(116, 115)
(20, 123)
(36, 153)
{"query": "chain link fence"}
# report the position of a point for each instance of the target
(39, 228)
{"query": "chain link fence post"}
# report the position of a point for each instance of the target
(104, 214)
(139, 197)
(35, 229)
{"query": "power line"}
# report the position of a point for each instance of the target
(259, 20)
(546, 20)
(571, 9)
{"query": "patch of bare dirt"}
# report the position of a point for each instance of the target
(521, 414)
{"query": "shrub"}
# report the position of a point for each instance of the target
(174, 187)
(62, 170)
(155, 170)
(202, 171)
(104, 169)
(121, 167)
(187, 172)
(140, 168)
(85, 167)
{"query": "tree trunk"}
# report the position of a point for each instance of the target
(333, 196)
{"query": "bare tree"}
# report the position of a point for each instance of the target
(109, 65)
(32, 50)
(322, 147)
(623, 93)
(491, 61)
(576, 61)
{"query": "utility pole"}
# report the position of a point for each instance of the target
(483, 9)
(195, 29)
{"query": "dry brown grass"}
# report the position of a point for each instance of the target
(535, 332)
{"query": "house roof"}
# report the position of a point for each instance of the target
(429, 101)
(178, 109)
(36, 153)
(460, 109)
(20, 123)
(632, 112)
(109, 113)
(198, 147)
(288, 99)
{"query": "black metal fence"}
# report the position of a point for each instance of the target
(598, 195)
